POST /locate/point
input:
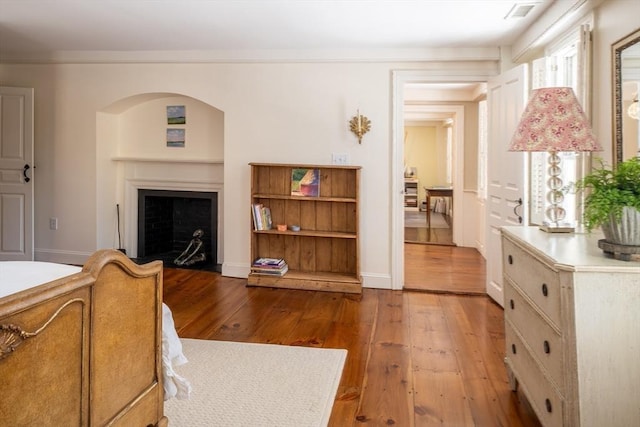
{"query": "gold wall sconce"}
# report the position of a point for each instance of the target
(633, 111)
(359, 125)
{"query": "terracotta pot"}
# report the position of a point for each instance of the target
(626, 231)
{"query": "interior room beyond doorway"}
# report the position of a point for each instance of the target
(428, 191)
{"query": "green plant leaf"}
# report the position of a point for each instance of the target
(608, 190)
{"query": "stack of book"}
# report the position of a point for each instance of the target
(269, 266)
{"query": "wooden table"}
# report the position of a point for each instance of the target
(436, 192)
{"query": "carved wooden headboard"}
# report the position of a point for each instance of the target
(85, 349)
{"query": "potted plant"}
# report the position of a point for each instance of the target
(613, 201)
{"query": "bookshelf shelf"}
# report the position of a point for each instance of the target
(319, 199)
(323, 281)
(411, 194)
(324, 254)
(308, 233)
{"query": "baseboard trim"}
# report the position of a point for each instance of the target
(61, 257)
(376, 281)
(238, 270)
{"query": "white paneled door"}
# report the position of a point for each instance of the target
(506, 171)
(16, 174)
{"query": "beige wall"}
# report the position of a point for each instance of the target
(614, 20)
(142, 130)
(422, 150)
(295, 113)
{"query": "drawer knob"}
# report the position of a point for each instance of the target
(547, 403)
(513, 348)
(547, 347)
(545, 290)
(512, 304)
(510, 259)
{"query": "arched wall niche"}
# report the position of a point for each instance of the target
(132, 154)
(141, 123)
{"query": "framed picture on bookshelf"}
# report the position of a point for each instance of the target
(305, 182)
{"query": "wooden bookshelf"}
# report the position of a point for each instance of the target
(325, 254)
(411, 194)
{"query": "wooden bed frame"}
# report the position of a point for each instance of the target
(86, 349)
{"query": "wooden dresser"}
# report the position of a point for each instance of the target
(572, 328)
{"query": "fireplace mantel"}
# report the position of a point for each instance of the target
(166, 160)
(146, 173)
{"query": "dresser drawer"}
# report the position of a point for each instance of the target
(543, 341)
(535, 279)
(543, 397)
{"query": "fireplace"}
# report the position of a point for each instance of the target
(167, 221)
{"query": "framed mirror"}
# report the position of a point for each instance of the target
(626, 87)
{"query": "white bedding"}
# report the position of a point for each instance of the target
(174, 384)
(16, 276)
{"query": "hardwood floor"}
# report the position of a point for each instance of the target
(414, 358)
(450, 269)
(430, 236)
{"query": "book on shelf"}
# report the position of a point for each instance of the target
(268, 262)
(261, 217)
(255, 214)
(268, 223)
(271, 271)
(269, 266)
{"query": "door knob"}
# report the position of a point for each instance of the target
(518, 203)
(24, 173)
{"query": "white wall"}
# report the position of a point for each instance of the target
(294, 113)
(614, 20)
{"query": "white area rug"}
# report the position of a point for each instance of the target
(419, 220)
(256, 385)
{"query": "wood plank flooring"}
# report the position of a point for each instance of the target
(430, 236)
(449, 269)
(414, 358)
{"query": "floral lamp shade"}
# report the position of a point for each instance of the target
(554, 121)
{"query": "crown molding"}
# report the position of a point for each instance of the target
(255, 56)
(558, 18)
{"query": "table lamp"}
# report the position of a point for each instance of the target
(554, 121)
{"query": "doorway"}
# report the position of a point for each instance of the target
(16, 168)
(451, 100)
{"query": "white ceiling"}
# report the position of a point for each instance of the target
(41, 28)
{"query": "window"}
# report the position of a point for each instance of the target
(566, 64)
